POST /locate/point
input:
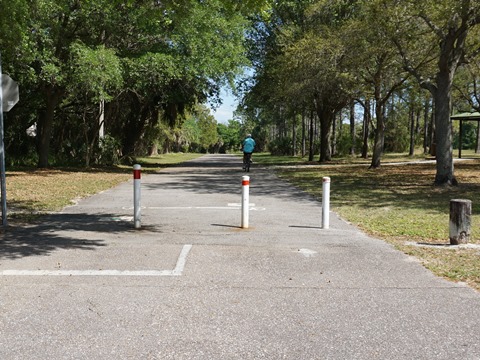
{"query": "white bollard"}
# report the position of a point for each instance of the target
(326, 203)
(245, 200)
(136, 195)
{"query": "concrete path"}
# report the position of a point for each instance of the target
(190, 284)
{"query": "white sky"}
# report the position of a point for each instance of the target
(225, 112)
(229, 105)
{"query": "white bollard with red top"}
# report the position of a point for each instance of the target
(136, 195)
(326, 203)
(245, 200)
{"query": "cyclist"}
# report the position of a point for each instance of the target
(248, 145)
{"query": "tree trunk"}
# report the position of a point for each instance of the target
(304, 136)
(379, 136)
(311, 136)
(153, 150)
(135, 128)
(352, 127)
(412, 132)
(443, 126)
(477, 146)
(294, 135)
(326, 117)
(45, 124)
(325, 126)
(334, 136)
(426, 142)
(433, 145)
(88, 150)
(366, 128)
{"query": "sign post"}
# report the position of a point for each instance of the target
(8, 98)
(10, 92)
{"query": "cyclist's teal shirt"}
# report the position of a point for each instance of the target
(248, 145)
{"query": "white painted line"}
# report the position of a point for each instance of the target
(182, 260)
(194, 208)
(443, 246)
(180, 266)
(124, 218)
(116, 218)
(307, 252)
(86, 273)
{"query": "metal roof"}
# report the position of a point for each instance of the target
(474, 116)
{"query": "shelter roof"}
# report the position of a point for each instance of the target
(473, 116)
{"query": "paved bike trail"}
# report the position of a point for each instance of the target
(191, 284)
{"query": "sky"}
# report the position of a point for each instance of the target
(229, 104)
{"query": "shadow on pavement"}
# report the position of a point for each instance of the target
(52, 233)
(221, 174)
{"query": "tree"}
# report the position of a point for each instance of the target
(431, 38)
(230, 135)
(273, 98)
(96, 76)
(203, 49)
(173, 55)
(54, 26)
(208, 128)
(322, 72)
(322, 64)
(13, 31)
(301, 66)
(378, 70)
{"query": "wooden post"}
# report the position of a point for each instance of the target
(460, 140)
(460, 222)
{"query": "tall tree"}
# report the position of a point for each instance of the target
(431, 38)
(306, 62)
(173, 55)
(96, 77)
(13, 30)
(378, 71)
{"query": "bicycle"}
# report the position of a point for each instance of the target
(247, 160)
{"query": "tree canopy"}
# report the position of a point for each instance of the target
(317, 56)
(142, 69)
(147, 61)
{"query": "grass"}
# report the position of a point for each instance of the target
(400, 204)
(35, 191)
(32, 192)
(155, 163)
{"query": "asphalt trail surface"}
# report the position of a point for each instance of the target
(191, 284)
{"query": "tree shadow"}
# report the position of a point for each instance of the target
(222, 174)
(214, 161)
(305, 227)
(51, 232)
(403, 187)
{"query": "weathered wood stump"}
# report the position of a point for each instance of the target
(460, 221)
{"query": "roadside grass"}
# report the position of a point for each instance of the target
(400, 204)
(32, 192)
(36, 191)
(389, 158)
(157, 162)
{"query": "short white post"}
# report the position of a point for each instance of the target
(326, 203)
(136, 195)
(245, 200)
